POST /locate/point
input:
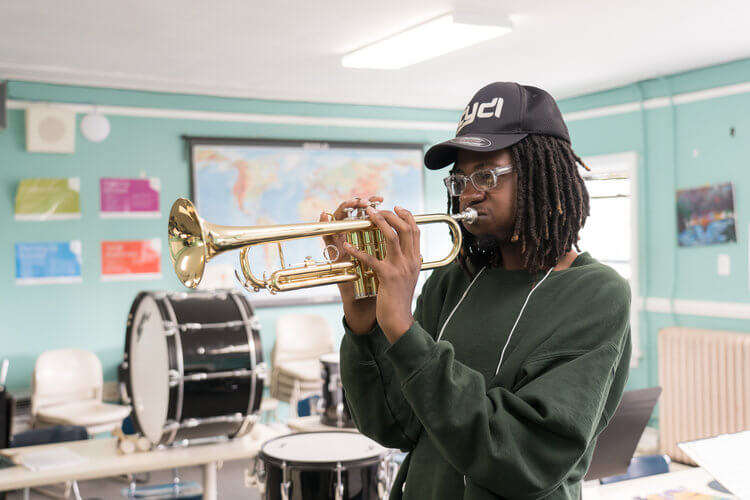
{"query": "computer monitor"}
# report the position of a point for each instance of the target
(618, 441)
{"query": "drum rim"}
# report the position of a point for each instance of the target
(155, 296)
(331, 465)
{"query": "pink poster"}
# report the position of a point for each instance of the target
(131, 260)
(129, 198)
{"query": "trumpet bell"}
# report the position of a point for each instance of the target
(187, 243)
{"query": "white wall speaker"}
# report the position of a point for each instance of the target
(50, 129)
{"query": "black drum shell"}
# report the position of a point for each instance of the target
(317, 481)
(206, 350)
(331, 399)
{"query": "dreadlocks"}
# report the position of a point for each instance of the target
(552, 204)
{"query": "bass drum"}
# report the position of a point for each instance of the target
(194, 366)
(322, 466)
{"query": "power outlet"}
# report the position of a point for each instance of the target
(723, 265)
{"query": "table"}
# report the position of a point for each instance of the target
(313, 424)
(105, 461)
(694, 479)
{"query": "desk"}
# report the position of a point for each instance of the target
(694, 479)
(105, 461)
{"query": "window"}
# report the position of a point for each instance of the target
(607, 231)
(610, 233)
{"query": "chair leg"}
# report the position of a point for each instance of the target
(76, 492)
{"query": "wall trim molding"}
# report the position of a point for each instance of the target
(713, 309)
(327, 121)
(659, 102)
(228, 116)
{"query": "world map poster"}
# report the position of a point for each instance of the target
(256, 183)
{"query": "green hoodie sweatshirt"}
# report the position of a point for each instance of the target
(526, 432)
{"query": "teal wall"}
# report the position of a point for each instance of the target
(665, 139)
(92, 314)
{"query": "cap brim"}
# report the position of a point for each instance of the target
(443, 154)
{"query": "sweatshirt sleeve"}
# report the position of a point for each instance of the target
(373, 392)
(518, 443)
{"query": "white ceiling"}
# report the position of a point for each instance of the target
(291, 50)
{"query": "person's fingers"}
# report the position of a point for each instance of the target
(415, 232)
(392, 246)
(379, 199)
(403, 230)
(368, 260)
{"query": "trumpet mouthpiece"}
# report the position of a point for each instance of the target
(468, 216)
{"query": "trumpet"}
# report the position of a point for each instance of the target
(193, 242)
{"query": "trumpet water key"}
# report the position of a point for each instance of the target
(193, 242)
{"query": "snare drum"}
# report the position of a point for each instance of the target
(322, 466)
(194, 366)
(335, 407)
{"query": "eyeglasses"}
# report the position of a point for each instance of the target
(482, 180)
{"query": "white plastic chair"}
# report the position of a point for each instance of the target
(66, 389)
(295, 359)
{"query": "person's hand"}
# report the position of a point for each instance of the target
(397, 273)
(359, 314)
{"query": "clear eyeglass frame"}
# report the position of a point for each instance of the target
(482, 180)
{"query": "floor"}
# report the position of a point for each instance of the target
(231, 484)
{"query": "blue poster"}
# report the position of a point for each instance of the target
(48, 262)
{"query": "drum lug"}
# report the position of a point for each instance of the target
(190, 422)
(261, 371)
(339, 483)
(174, 378)
(285, 482)
(254, 323)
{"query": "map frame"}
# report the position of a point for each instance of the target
(313, 295)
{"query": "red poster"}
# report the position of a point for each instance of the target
(131, 260)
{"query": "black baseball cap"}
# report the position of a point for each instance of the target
(498, 116)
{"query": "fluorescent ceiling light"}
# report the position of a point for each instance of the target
(431, 39)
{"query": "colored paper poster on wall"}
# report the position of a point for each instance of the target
(131, 260)
(48, 199)
(48, 262)
(129, 198)
(705, 215)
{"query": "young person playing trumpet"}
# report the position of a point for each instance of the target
(516, 355)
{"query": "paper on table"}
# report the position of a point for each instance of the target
(51, 458)
(725, 458)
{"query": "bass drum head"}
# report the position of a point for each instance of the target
(149, 368)
(316, 449)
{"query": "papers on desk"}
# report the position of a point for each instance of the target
(679, 494)
(725, 458)
(50, 459)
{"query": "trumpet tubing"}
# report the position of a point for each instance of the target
(193, 241)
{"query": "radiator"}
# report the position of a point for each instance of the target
(705, 376)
